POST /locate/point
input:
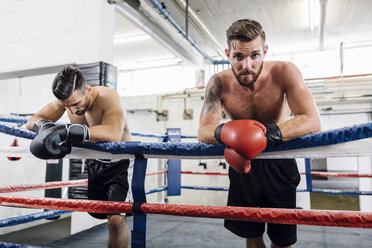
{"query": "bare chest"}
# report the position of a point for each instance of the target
(267, 105)
(90, 118)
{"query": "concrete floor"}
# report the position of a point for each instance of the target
(174, 231)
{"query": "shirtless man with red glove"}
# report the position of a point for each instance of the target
(258, 97)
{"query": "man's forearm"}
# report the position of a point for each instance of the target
(100, 133)
(30, 122)
(206, 135)
(300, 125)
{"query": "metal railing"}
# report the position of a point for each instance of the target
(351, 87)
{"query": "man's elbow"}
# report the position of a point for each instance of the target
(207, 139)
(201, 140)
(201, 137)
(317, 126)
(114, 136)
(117, 137)
(29, 125)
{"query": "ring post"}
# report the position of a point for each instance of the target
(309, 184)
(138, 188)
(174, 165)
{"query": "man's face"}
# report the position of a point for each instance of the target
(77, 103)
(246, 60)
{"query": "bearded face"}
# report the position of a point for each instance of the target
(246, 77)
(83, 108)
(246, 58)
(78, 103)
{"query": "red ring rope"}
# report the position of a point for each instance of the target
(216, 173)
(156, 173)
(48, 185)
(284, 216)
(335, 174)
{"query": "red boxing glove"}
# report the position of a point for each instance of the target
(245, 137)
(236, 161)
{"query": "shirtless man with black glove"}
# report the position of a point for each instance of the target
(96, 115)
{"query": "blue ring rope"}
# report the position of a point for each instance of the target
(206, 188)
(151, 191)
(329, 137)
(23, 120)
(31, 217)
(11, 245)
(19, 120)
(14, 119)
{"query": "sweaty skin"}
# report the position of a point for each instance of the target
(264, 91)
(104, 113)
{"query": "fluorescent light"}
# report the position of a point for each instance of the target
(131, 38)
(311, 14)
(151, 64)
(157, 59)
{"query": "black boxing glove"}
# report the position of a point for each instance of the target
(77, 133)
(50, 143)
(55, 142)
(273, 135)
(42, 124)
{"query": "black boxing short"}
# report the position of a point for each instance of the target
(271, 183)
(107, 181)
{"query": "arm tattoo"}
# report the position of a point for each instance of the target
(213, 95)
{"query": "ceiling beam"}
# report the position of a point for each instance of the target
(145, 21)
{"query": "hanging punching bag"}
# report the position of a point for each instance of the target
(14, 143)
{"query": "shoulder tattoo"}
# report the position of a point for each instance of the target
(213, 95)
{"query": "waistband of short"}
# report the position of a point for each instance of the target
(109, 161)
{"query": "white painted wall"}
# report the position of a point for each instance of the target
(42, 33)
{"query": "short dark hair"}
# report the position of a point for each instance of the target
(68, 80)
(245, 30)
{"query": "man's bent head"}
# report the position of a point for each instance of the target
(67, 81)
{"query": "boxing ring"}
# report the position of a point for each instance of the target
(353, 141)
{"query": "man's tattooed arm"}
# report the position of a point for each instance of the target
(213, 95)
(211, 112)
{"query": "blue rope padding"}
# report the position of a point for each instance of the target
(206, 188)
(188, 137)
(30, 135)
(330, 137)
(23, 120)
(15, 131)
(148, 135)
(31, 217)
(11, 245)
(341, 192)
(172, 148)
(151, 191)
(14, 119)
